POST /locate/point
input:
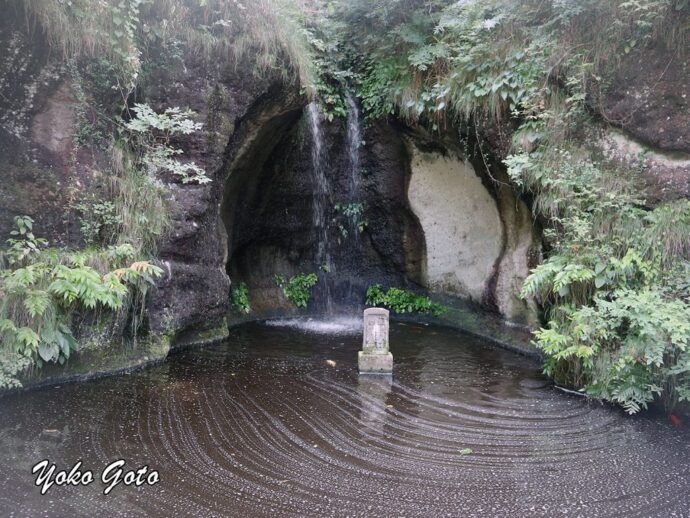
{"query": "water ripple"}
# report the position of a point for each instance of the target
(278, 423)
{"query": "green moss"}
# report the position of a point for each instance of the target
(213, 331)
(102, 360)
(219, 127)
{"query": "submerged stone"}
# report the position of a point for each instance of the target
(375, 356)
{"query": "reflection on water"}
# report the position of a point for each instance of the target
(277, 422)
(373, 393)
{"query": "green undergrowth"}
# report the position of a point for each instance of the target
(50, 293)
(44, 288)
(616, 281)
(443, 60)
(402, 301)
(297, 289)
(239, 299)
(110, 50)
(134, 35)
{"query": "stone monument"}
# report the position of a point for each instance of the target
(375, 357)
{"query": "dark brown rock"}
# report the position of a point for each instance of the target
(649, 98)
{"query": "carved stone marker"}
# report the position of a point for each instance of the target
(375, 357)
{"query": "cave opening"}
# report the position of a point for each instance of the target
(279, 220)
(359, 205)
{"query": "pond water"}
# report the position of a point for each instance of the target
(276, 422)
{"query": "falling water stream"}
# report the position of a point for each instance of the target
(354, 141)
(324, 198)
(276, 422)
(322, 202)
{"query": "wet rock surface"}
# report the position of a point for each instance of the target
(269, 206)
(666, 176)
(37, 123)
(650, 98)
(277, 423)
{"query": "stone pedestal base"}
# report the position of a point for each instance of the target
(375, 363)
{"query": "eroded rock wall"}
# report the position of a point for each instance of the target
(461, 224)
(645, 114)
(665, 174)
(433, 221)
(41, 162)
(240, 112)
(479, 237)
(49, 161)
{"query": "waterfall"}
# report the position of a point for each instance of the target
(354, 139)
(321, 207)
(355, 201)
(355, 207)
(342, 283)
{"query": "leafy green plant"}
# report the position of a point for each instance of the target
(432, 60)
(155, 131)
(614, 284)
(24, 244)
(99, 221)
(43, 288)
(350, 215)
(239, 296)
(331, 79)
(298, 288)
(402, 301)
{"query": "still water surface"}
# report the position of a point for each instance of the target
(276, 422)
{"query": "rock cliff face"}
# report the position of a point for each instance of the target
(650, 99)
(38, 158)
(461, 223)
(433, 222)
(240, 113)
(47, 165)
(268, 214)
(649, 102)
